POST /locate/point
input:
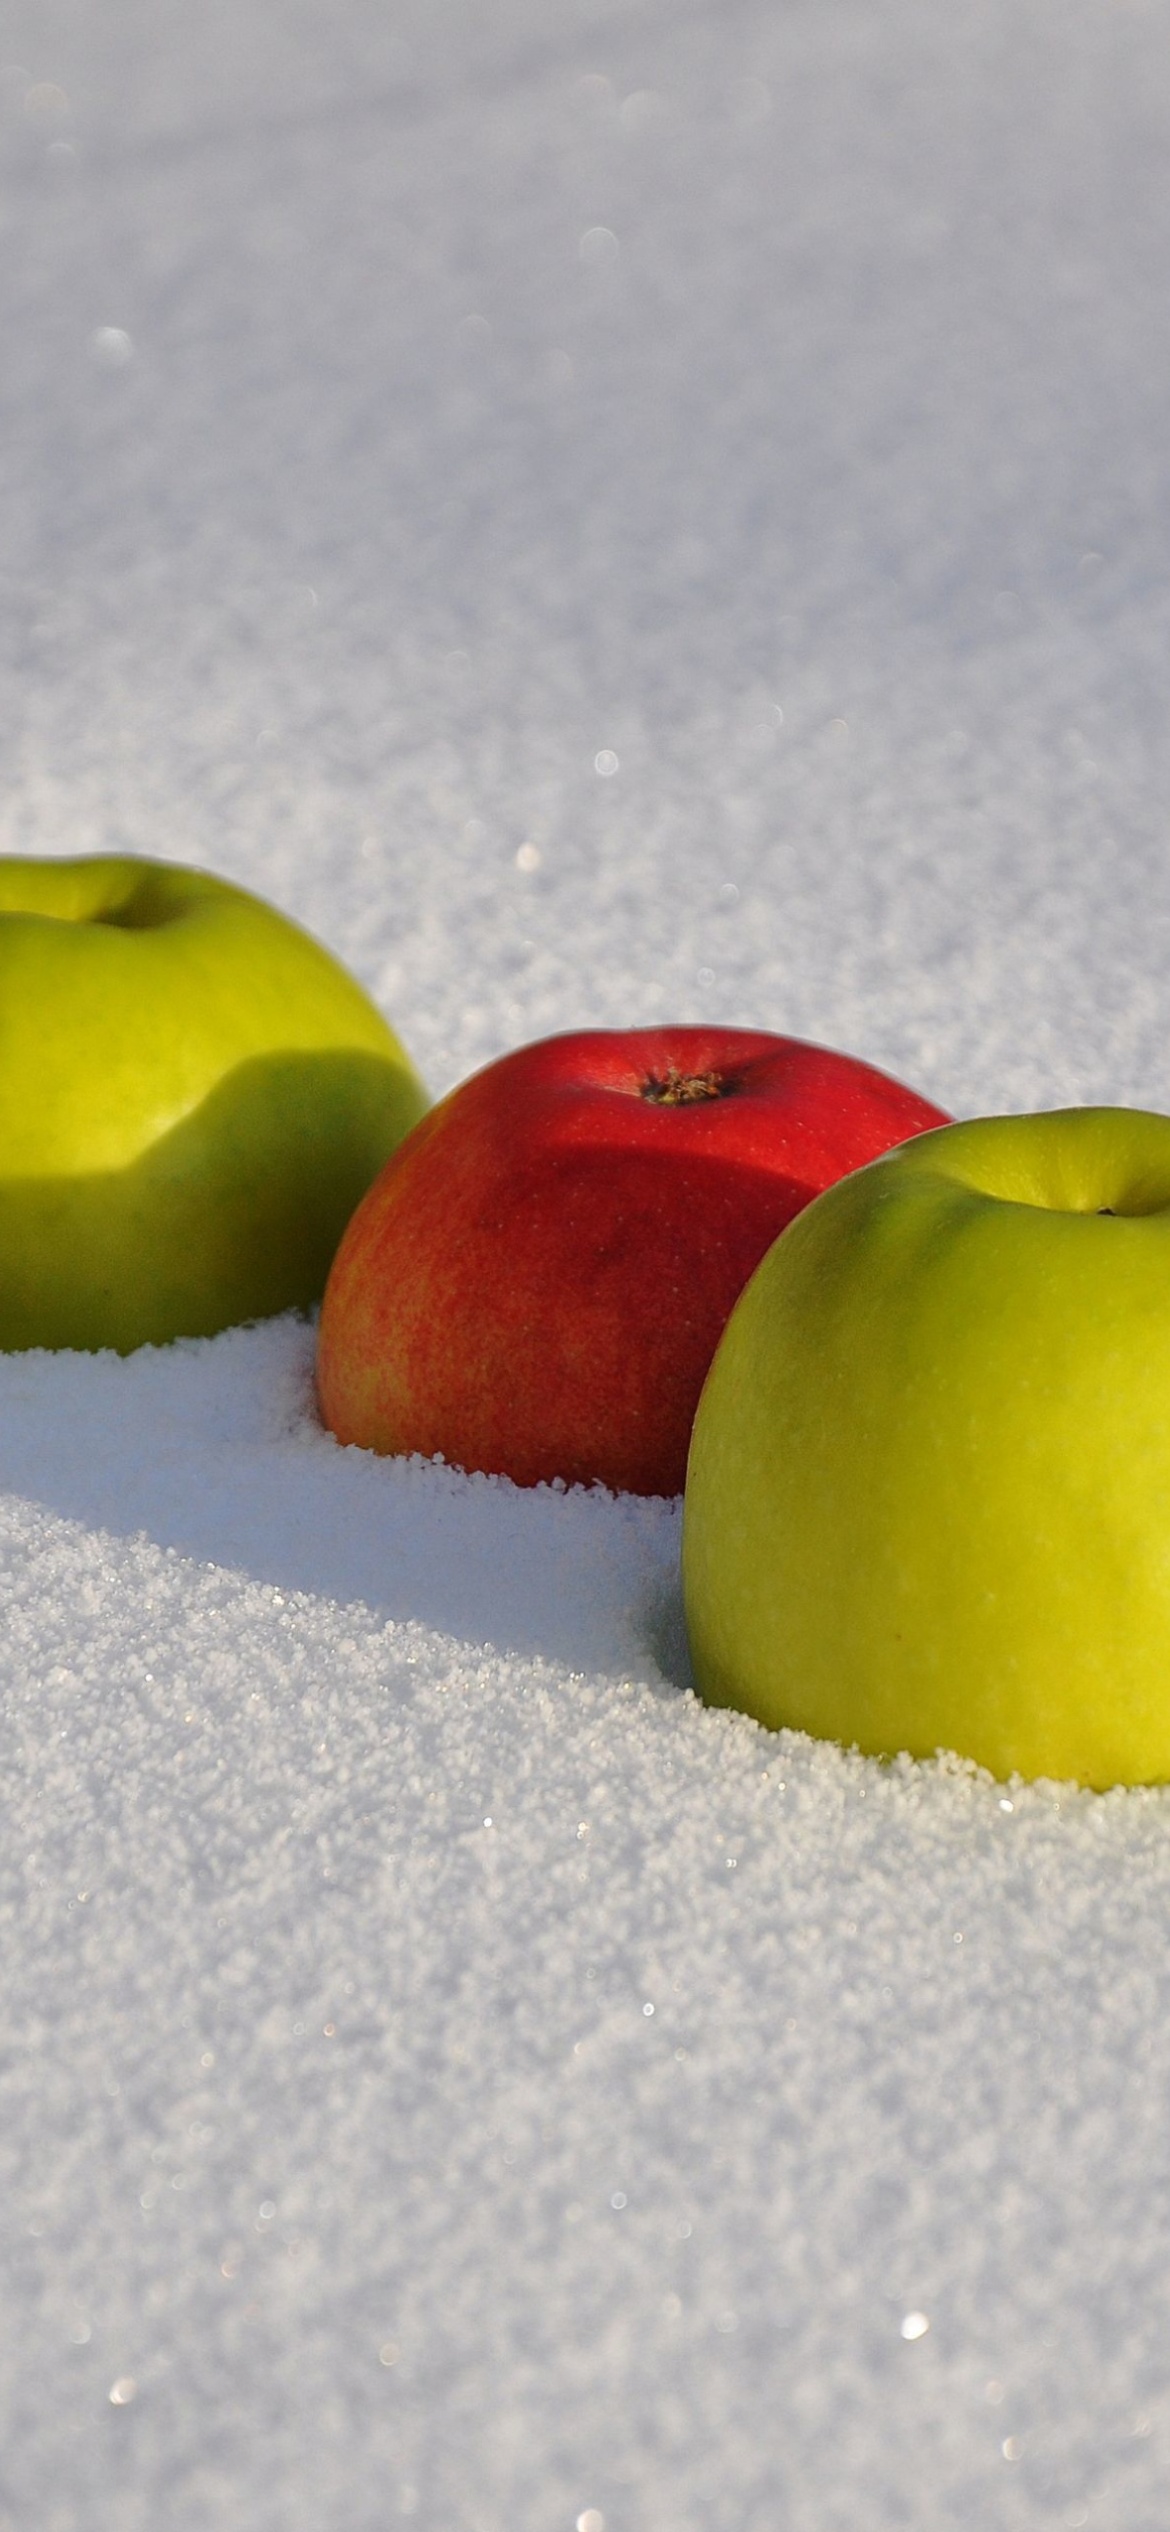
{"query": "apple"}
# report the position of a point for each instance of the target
(536, 1282)
(928, 1501)
(193, 1096)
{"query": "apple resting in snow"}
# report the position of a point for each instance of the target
(193, 1096)
(536, 1282)
(928, 1502)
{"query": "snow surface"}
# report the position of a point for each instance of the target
(446, 2074)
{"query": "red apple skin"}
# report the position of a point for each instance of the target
(537, 1281)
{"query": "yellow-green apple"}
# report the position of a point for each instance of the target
(928, 1501)
(537, 1281)
(193, 1096)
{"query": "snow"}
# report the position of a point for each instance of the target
(407, 412)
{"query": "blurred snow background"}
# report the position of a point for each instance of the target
(606, 512)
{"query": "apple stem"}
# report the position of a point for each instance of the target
(673, 1089)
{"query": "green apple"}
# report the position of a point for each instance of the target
(928, 1497)
(193, 1098)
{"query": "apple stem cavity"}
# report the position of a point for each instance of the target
(673, 1089)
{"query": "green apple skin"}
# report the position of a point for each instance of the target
(193, 1097)
(928, 1495)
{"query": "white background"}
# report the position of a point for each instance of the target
(400, 405)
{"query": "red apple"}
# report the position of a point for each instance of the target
(537, 1281)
